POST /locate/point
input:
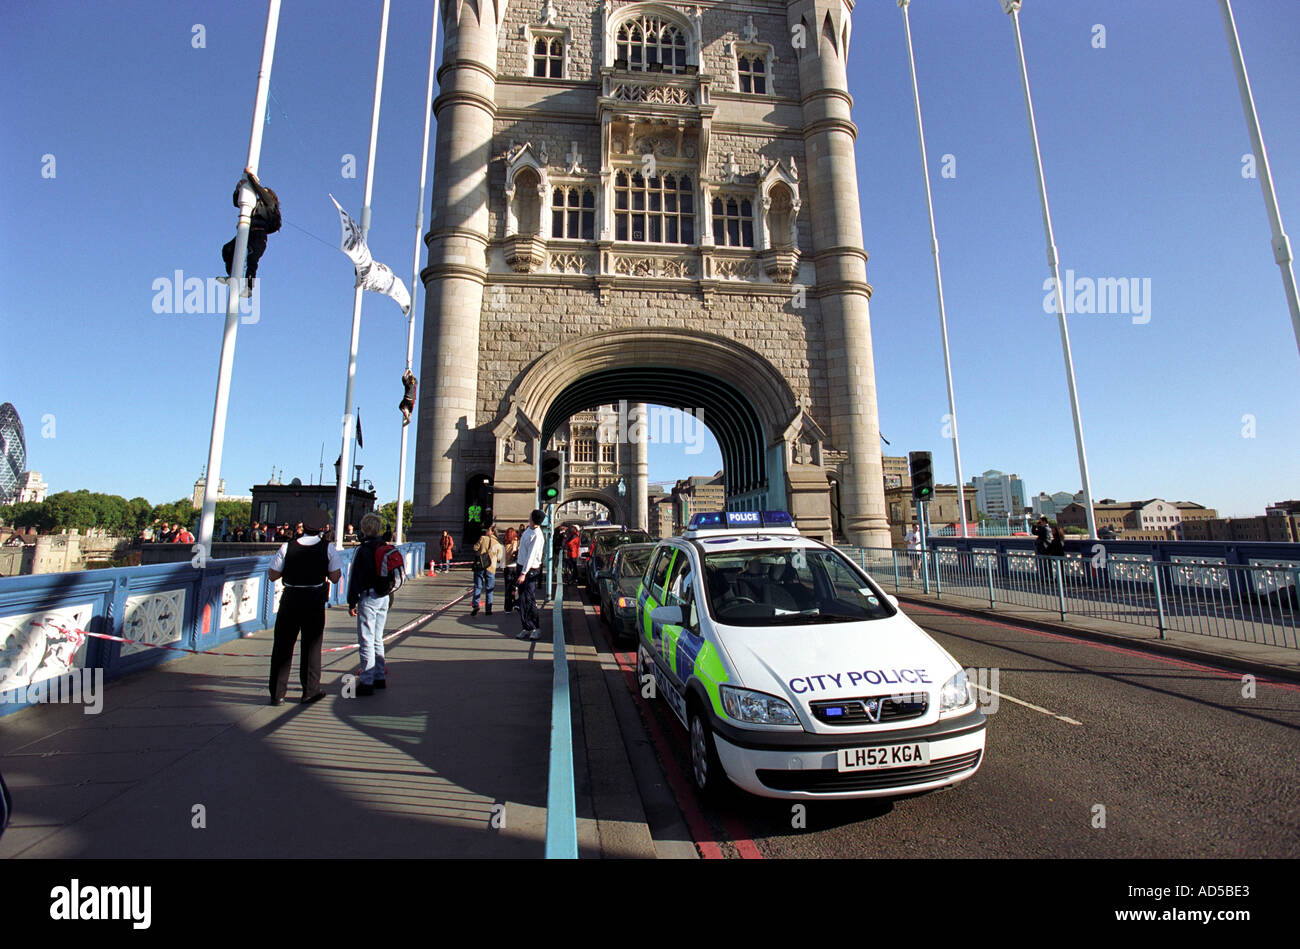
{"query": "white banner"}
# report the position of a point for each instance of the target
(371, 275)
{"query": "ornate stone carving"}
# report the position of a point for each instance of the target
(657, 94)
(525, 253)
(733, 268)
(570, 263)
(239, 601)
(676, 267)
(781, 265)
(634, 266)
(36, 646)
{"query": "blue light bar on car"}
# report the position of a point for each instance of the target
(717, 520)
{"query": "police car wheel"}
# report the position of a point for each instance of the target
(706, 769)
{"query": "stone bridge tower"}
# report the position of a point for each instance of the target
(653, 202)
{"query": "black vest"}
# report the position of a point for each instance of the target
(306, 565)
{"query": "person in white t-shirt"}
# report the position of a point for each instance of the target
(528, 566)
(914, 550)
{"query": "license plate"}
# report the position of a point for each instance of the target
(884, 756)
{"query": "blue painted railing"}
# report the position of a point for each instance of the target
(561, 811)
(1228, 552)
(173, 604)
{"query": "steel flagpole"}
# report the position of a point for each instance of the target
(247, 199)
(349, 420)
(938, 274)
(1012, 8)
(1281, 243)
(415, 263)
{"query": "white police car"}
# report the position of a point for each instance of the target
(795, 675)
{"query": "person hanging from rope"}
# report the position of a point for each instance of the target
(407, 405)
(265, 220)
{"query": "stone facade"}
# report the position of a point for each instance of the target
(655, 202)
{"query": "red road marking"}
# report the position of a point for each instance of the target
(682, 789)
(1168, 660)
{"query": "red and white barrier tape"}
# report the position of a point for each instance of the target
(78, 636)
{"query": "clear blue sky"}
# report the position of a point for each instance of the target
(1142, 144)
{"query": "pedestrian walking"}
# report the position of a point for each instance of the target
(1042, 540)
(528, 564)
(572, 547)
(488, 552)
(308, 564)
(369, 596)
(914, 550)
(510, 545)
(265, 220)
(446, 547)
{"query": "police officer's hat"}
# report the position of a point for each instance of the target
(316, 521)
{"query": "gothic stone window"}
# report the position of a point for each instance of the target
(548, 55)
(733, 221)
(607, 454)
(584, 449)
(656, 209)
(649, 44)
(751, 68)
(573, 213)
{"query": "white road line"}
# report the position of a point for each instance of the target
(1036, 708)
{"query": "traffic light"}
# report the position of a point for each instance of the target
(550, 486)
(922, 468)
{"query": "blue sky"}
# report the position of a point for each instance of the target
(1142, 145)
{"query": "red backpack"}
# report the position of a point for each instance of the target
(390, 570)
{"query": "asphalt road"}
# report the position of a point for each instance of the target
(1093, 751)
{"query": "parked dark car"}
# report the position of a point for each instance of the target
(616, 587)
(603, 545)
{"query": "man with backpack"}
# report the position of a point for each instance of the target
(377, 570)
(487, 553)
(265, 220)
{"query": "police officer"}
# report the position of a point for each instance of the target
(309, 564)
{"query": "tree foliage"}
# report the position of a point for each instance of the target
(112, 513)
(389, 514)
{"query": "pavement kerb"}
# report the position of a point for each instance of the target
(1082, 629)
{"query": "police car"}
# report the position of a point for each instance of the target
(794, 674)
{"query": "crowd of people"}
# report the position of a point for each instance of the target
(256, 533)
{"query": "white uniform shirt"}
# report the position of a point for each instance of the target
(307, 540)
(914, 540)
(530, 550)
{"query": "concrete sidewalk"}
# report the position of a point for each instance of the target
(1258, 659)
(188, 760)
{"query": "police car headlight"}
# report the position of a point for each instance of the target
(757, 708)
(955, 694)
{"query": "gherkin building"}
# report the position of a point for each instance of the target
(13, 453)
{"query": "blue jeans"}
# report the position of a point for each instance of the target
(372, 612)
(484, 581)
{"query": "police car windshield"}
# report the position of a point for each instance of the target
(788, 586)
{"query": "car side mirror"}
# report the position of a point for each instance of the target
(668, 616)
(893, 600)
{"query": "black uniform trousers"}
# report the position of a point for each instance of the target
(301, 611)
(529, 614)
(256, 248)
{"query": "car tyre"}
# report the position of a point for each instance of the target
(706, 769)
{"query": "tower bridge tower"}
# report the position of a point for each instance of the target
(651, 202)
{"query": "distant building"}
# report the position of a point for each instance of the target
(32, 487)
(13, 453)
(694, 494)
(290, 503)
(1048, 505)
(201, 484)
(896, 471)
(1280, 523)
(1151, 519)
(998, 494)
(942, 511)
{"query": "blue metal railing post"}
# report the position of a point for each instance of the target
(1160, 604)
(561, 813)
(1060, 584)
(989, 563)
(894, 553)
